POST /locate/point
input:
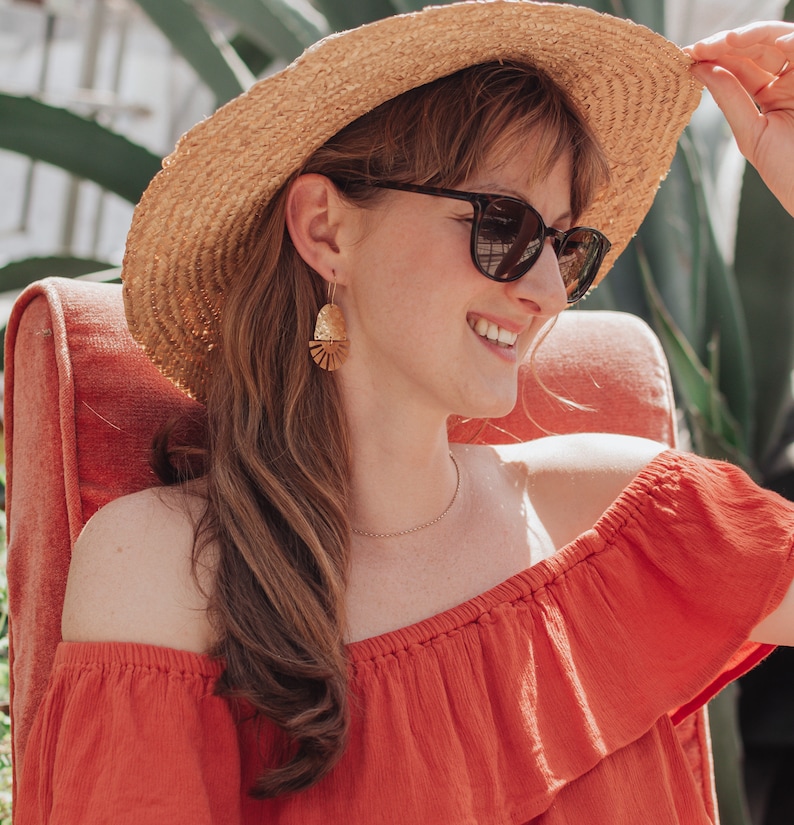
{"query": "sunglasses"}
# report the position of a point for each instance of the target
(507, 237)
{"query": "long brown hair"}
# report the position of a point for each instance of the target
(276, 528)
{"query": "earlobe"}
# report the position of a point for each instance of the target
(313, 221)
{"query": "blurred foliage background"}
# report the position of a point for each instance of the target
(711, 268)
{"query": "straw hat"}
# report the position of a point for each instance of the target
(190, 228)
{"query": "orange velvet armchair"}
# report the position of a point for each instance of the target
(83, 401)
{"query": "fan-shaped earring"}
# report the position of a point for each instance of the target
(330, 346)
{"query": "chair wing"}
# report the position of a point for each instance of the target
(81, 404)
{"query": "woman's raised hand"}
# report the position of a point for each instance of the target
(750, 73)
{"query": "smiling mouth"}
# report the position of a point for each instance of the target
(493, 333)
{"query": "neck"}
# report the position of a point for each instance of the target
(403, 476)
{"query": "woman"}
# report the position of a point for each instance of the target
(344, 616)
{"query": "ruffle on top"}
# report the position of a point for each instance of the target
(547, 698)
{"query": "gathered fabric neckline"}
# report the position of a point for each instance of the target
(523, 583)
(595, 653)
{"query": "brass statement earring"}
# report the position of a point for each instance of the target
(330, 346)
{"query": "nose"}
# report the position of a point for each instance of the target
(541, 289)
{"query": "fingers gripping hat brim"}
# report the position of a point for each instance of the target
(189, 232)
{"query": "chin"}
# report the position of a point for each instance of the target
(490, 406)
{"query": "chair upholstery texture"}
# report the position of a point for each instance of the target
(83, 402)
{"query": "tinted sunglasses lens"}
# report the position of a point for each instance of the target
(509, 239)
(579, 258)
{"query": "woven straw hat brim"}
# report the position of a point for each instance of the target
(189, 231)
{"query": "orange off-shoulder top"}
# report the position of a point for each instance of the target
(550, 698)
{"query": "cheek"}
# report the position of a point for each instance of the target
(413, 273)
(418, 240)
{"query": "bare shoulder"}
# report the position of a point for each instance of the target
(131, 575)
(586, 454)
(573, 479)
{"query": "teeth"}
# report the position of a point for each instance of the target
(489, 330)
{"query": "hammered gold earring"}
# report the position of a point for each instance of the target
(330, 346)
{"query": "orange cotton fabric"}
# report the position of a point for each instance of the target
(546, 699)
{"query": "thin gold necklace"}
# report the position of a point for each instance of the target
(421, 526)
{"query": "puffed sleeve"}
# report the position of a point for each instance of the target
(130, 733)
(694, 555)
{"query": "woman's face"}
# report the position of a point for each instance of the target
(426, 327)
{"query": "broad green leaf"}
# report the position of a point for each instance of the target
(615, 7)
(414, 5)
(275, 25)
(301, 17)
(719, 167)
(691, 375)
(725, 318)
(720, 332)
(622, 288)
(765, 273)
(18, 274)
(77, 145)
(707, 442)
(674, 237)
(648, 12)
(697, 388)
(208, 52)
(251, 53)
(417, 5)
(345, 14)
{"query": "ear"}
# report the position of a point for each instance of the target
(315, 221)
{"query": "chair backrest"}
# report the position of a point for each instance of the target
(82, 403)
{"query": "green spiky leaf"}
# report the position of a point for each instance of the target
(280, 28)
(205, 49)
(78, 145)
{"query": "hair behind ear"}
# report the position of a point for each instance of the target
(277, 489)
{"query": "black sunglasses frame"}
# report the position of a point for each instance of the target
(481, 202)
